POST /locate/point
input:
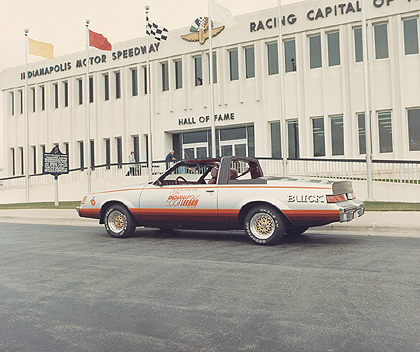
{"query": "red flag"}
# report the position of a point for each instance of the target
(97, 40)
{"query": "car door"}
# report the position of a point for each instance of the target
(183, 205)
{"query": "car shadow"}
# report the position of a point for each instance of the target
(240, 237)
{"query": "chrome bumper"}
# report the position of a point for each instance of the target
(78, 212)
(349, 213)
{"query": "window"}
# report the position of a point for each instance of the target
(194, 137)
(119, 152)
(106, 86)
(108, 153)
(178, 74)
(145, 80)
(66, 93)
(12, 103)
(136, 147)
(21, 101)
(229, 134)
(134, 84)
(318, 136)
(80, 85)
(198, 71)
(358, 44)
(385, 132)
(249, 62)
(33, 100)
(233, 64)
(56, 95)
(273, 61)
(381, 41)
(290, 55)
(275, 140)
(411, 36)
(117, 85)
(34, 159)
(22, 169)
(165, 76)
(81, 156)
(293, 138)
(337, 135)
(92, 154)
(90, 89)
(414, 129)
(362, 133)
(42, 98)
(66, 148)
(251, 141)
(315, 51)
(333, 40)
(13, 161)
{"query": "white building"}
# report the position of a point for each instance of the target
(323, 77)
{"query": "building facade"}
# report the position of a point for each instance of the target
(323, 80)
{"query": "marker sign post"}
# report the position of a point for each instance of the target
(55, 163)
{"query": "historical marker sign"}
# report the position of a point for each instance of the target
(55, 163)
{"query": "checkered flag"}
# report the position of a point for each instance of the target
(159, 33)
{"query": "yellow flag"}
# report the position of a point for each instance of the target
(41, 49)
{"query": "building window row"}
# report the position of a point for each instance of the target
(336, 133)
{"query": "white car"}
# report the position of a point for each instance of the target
(224, 193)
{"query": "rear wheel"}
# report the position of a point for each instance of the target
(264, 225)
(119, 222)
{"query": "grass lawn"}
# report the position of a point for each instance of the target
(370, 206)
(41, 205)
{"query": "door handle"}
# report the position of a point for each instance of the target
(210, 190)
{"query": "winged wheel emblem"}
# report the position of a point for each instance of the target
(200, 31)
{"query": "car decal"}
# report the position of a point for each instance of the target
(183, 198)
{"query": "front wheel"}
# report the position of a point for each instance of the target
(264, 225)
(119, 222)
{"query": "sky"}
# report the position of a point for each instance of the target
(62, 23)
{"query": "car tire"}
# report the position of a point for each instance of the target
(119, 222)
(264, 225)
(296, 230)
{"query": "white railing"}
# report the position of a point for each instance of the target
(354, 169)
(395, 171)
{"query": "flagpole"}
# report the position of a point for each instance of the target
(149, 108)
(89, 169)
(26, 120)
(367, 106)
(212, 122)
(281, 91)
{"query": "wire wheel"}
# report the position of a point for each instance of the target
(119, 222)
(116, 221)
(262, 225)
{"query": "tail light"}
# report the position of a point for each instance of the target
(336, 198)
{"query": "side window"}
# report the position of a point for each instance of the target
(381, 41)
(411, 36)
(290, 55)
(315, 51)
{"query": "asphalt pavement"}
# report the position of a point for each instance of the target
(389, 223)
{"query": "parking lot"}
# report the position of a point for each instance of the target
(68, 288)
